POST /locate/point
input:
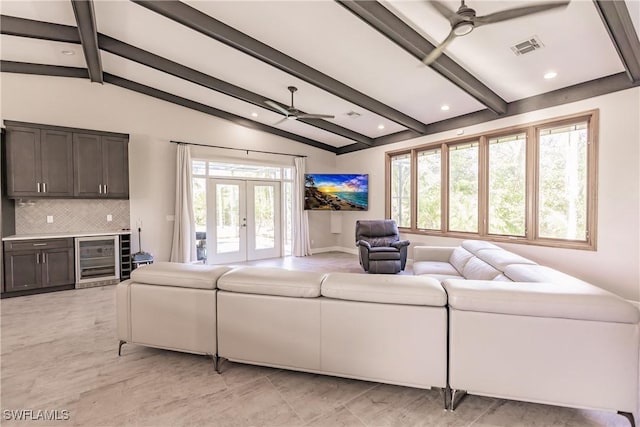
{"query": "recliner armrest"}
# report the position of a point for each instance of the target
(567, 300)
(363, 243)
(400, 244)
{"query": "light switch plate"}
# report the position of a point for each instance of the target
(109, 218)
(49, 219)
(171, 218)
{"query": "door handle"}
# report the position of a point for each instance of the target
(44, 257)
(38, 258)
(44, 187)
(39, 244)
(106, 191)
(99, 188)
(38, 187)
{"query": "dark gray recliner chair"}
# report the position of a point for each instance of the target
(380, 247)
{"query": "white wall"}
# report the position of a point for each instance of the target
(151, 124)
(616, 264)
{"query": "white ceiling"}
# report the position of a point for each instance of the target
(329, 38)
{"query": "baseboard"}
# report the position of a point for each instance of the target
(353, 251)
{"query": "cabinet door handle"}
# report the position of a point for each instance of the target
(44, 258)
(105, 189)
(38, 258)
(99, 188)
(44, 187)
(38, 187)
(39, 244)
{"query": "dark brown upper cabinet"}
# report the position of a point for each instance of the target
(52, 161)
(39, 162)
(101, 166)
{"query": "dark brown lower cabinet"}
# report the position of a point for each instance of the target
(31, 265)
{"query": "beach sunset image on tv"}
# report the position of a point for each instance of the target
(337, 192)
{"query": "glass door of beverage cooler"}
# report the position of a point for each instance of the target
(97, 258)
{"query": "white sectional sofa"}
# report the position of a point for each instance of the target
(522, 331)
(390, 329)
(474, 318)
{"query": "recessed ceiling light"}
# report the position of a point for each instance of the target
(67, 52)
(550, 75)
(445, 107)
(254, 114)
(380, 127)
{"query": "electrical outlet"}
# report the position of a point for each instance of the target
(49, 219)
(109, 218)
(171, 218)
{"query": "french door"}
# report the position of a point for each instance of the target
(243, 220)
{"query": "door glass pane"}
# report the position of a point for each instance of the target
(228, 218)
(463, 187)
(265, 216)
(562, 211)
(429, 189)
(507, 185)
(401, 189)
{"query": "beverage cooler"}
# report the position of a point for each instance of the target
(97, 259)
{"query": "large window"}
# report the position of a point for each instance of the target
(533, 184)
(401, 189)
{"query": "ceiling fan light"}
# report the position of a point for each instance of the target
(463, 28)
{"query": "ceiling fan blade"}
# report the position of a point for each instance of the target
(435, 53)
(518, 12)
(284, 119)
(277, 107)
(315, 116)
(443, 10)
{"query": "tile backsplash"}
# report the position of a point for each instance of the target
(71, 215)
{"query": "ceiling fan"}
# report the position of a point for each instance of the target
(464, 20)
(292, 113)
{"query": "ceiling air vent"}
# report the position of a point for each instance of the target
(529, 45)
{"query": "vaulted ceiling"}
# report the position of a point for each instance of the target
(360, 61)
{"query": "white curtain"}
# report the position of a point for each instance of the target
(301, 245)
(184, 228)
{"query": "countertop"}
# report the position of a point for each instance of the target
(64, 235)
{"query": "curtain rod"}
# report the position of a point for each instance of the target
(238, 149)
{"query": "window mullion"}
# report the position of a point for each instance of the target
(414, 190)
(483, 186)
(532, 184)
(444, 223)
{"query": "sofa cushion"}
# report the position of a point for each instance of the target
(538, 273)
(476, 269)
(196, 276)
(272, 281)
(383, 253)
(501, 259)
(474, 246)
(434, 267)
(410, 290)
(459, 258)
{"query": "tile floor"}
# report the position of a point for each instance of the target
(59, 352)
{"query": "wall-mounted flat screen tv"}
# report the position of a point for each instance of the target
(336, 192)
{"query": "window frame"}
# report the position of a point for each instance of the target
(531, 130)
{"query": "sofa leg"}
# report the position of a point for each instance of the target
(456, 397)
(120, 347)
(629, 416)
(446, 392)
(218, 362)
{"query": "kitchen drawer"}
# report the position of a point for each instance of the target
(21, 245)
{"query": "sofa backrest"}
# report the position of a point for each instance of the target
(380, 232)
(479, 260)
